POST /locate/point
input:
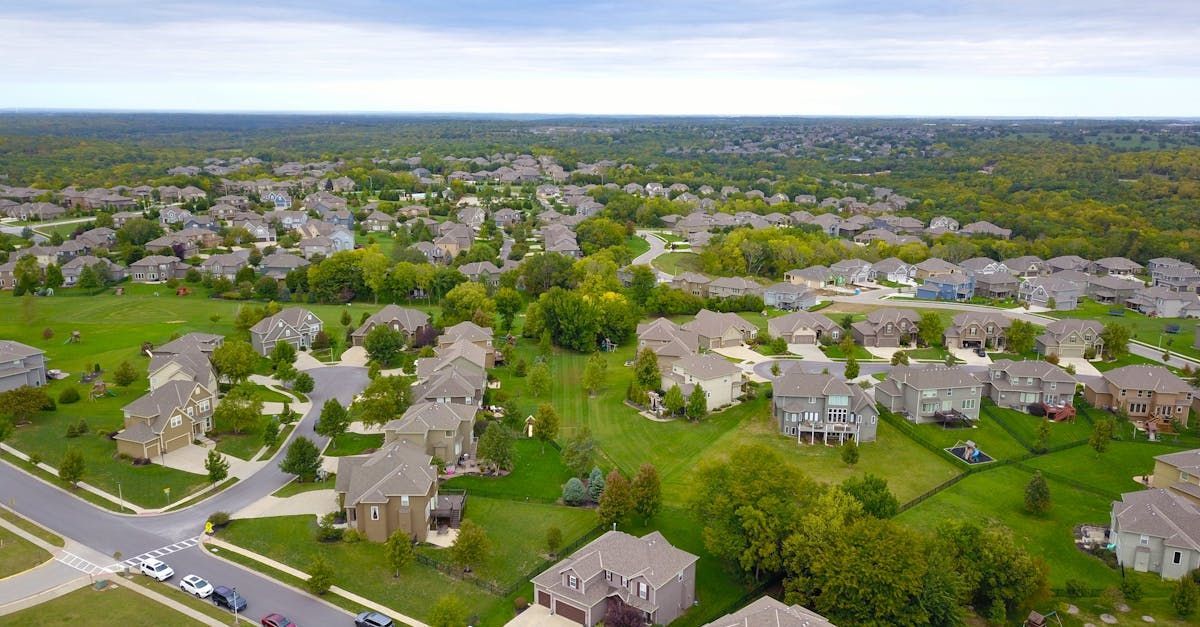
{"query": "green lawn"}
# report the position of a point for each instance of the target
(1146, 329)
(112, 607)
(677, 262)
(244, 445)
(267, 395)
(29, 527)
(353, 444)
(359, 567)
(636, 245)
(538, 473)
(987, 433)
(929, 353)
(1026, 426)
(296, 487)
(1112, 471)
(18, 554)
(834, 351)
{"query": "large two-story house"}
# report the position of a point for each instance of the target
(930, 393)
(443, 430)
(720, 380)
(669, 341)
(406, 321)
(1050, 292)
(719, 330)
(394, 489)
(294, 325)
(1019, 384)
(889, 328)
(1071, 338)
(972, 329)
(1147, 394)
(1156, 531)
(166, 419)
(823, 407)
(21, 365)
(647, 573)
(802, 327)
(155, 268)
(1180, 473)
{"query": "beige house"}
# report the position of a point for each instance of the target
(720, 379)
(802, 327)
(669, 341)
(1179, 473)
(972, 329)
(473, 333)
(720, 330)
(1071, 338)
(167, 419)
(890, 328)
(1151, 395)
(393, 489)
(647, 573)
(408, 322)
(443, 430)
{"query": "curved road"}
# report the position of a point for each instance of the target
(658, 246)
(108, 532)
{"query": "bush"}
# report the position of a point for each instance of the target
(520, 604)
(35, 459)
(47, 333)
(1076, 588)
(1132, 589)
(219, 519)
(521, 368)
(1052, 358)
(327, 531)
(68, 396)
(350, 536)
(78, 429)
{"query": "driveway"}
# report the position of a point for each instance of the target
(1083, 367)
(808, 352)
(539, 616)
(968, 356)
(355, 356)
(191, 458)
(743, 353)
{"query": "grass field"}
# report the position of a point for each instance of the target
(677, 262)
(636, 245)
(1146, 329)
(1112, 471)
(353, 444)
(834, 351)
(1025, 426)
(297, 487)
(987, 433)
(18, 554)
(29, 527)
(112, 607)
(538, 473)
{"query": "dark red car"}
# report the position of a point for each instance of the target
(277, 620)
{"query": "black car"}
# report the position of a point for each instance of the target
(979, 350)
(372, 619)
(228, 599)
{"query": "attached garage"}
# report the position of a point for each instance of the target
(543, 598)
(570, 612)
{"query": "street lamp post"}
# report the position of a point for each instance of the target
(120, 495)
(234, 604)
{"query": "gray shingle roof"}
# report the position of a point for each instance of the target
(767, 612)
(1160, 514)
(396, 469)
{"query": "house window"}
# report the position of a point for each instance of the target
(204, 405)
(572, 582)
(968, 403)
(1144, 540)
(374, 512)
(404, 501)
(643, 590)
(176, 420)
(1176, 557)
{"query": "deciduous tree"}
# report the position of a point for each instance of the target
(384, 398)
(400, 552)
(72, 467)
(383, 344)
(472, 546)
(1021, 335)
(930, 328)
(546, 423)
(496, 446)
(673, 400)
(645, 370)
(1037, 494)
(873, 494)
(217, 466)
(697, 403)
(234, 360)
(647, 492)
(302, 459)
(617, 500)
(579, 453)
(334, 419)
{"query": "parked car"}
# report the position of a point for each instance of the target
(276, 620)
(194, 585)
(979, 350)
(228, 599)
(156, 570)
(373, 619)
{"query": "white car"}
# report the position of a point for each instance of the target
(194, 585)
(157, 570)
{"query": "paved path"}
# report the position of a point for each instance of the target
(658, 246)
(105, 532)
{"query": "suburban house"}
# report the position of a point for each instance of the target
(154, 268)
(1025, 266)
(1116, 266)
(647, 573)
(277, 265)
(850, 272)
(73, 269)
(1162, 302)
(972, 329)
(802, 327)
(886, 328)
(448, 379)
(225, 265)
(294, 325)
(935, 267)
(188, 360)
(998, 285)
(1111, 290)
(1179, 473)
(21, 365)
(1071, 338)
(166, 419)
(1151, 395)
(443, 430)
(947, 287)
(732, 287)
(894, 270)
(1156, 531)
(669, 341)
(393, 489)
(473, 333)
(930, 393)
(820, 407)
(1067, 262)
(1176, 275)
(720, 330)
(408, 322)
(767, 612)
(813, 277)
(692, 283)
(484, 272)
(1050, 292)
(720, 379)
(379, 221)
(1019, 384)
(986, 229)
(789, 297)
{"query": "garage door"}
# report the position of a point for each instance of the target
(570, 612)
(543, 598)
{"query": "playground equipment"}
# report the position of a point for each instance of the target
(75, 338)
(969, 452)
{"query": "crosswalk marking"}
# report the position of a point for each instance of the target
(134, 562)
(80, 564)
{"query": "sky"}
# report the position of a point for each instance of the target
(1055, 58)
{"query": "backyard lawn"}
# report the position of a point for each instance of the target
(1025, 426)
(112, 607)
(1111, 471)
(991, 438)
(1148, 330)
(677, 262)
(18, 554)
(538, 473)
(353, 444)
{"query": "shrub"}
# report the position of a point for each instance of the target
(47, 333)
(1076, 588)
(1132, 589)
(35, 459)
(219, 519)
(327, 531)
(520, 604)
(1052, 358)
(68, 396)
(522, 368)
(573, 492)
(350, 536)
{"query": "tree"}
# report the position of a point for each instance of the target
(546, 423)
(472, 546)
(270, 433)
(468, 301)
(303, 383)
(496, 446)
(617, 500)
(697, 403)
(930, 328)
(539, 379)
(873, 493)
(642, 284)
(850, 453)
(345, 318)
(646, 492)
(554, 539)
(217, 466)
(1102, 432)
(1021, 335)
(1037, 494)
(999, 576)
(23, 403)
(595, 487)
(673, 400)
(72, 467)
(1043, 436)
(27, 275)
(266, 288)
(302, 459)
(234, 360)
(621, 614)
(239, 410)
(1116, 339)
(598, 233)
(400, 552)
(574, 492)
(283, 353)
(320, 575)
(594, 373)
(645, 370)
(899, 358)
(508, 305)
(383, 344)
(448, 612)
(384, 399)
(579, 453)
(334, 419)
(54, 276)
(1185, 596)
(851, 367)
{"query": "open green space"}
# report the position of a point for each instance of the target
(1152, 331)
(834, 351)
(18, 554)
(1112, 471)
(636, 245)
(298, 487)
(353, 444)
(267, 395)
(991, 438)
(32, 528)
(112, 607)
(244, 445)
(1025, 426)
(677, 262)
(538, 473)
